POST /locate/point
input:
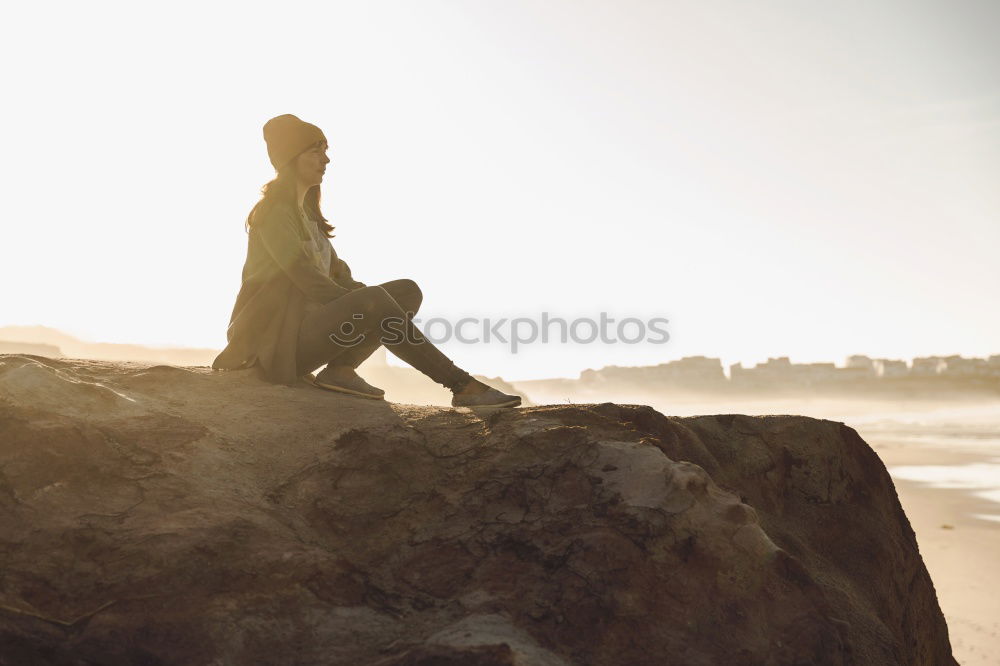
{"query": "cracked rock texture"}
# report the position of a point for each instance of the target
(165, 515)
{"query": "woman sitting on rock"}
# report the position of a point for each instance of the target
(298, 307)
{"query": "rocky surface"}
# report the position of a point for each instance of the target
(165, 515)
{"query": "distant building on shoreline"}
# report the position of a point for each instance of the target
(697, 372)
(889, 368)
(703, 373)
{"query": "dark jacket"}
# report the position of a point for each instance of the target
(281, 280)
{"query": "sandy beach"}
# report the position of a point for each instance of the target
(961, 551)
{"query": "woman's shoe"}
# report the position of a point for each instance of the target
(353, 385)
(489, 398)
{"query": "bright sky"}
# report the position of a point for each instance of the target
(775, 178)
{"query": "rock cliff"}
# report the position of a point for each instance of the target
(167, 515)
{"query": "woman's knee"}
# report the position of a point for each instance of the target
(414, 297)
(407, 294)
(373, 301)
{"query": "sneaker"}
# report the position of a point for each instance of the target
(353, 385)
(490, 398)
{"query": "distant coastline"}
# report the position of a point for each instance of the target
(947, 377)
(862, 377)
(53, 343)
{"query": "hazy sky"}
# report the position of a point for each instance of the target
(809, 179)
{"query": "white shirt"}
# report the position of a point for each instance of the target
(321, 244)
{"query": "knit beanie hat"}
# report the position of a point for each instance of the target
(287, 136)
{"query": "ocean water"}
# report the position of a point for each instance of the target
(970, 429)
(981, 478)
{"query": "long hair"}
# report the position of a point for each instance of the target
(282, 189)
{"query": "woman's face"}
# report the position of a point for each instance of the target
(312, 165)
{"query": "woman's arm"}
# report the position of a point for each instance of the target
(278, 230)
(341, 273)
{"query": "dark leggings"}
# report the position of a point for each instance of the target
(347, 330)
